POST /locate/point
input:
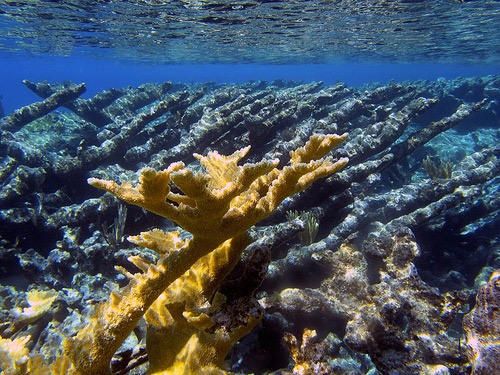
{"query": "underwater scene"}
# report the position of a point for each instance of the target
(250, 187)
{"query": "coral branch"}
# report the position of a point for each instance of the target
(227, 199)
(36, 110)
(215, 206)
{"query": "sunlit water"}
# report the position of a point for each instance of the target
(120, 43)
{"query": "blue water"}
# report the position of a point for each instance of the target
(104, 74)
(121, 43)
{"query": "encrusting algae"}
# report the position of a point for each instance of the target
(191, 326)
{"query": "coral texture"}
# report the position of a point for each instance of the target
(482, 327)
(375, 313)
(29, 113)
(308, 355)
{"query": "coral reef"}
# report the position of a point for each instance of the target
(14, 353)
(25, 115)
(215, 206)
(396, 261)
(309, 355)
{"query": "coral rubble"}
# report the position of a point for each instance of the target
(379, 282)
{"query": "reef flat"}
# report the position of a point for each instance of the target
(369, 270)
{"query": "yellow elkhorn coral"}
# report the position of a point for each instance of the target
(175, 295)
(228, 199)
